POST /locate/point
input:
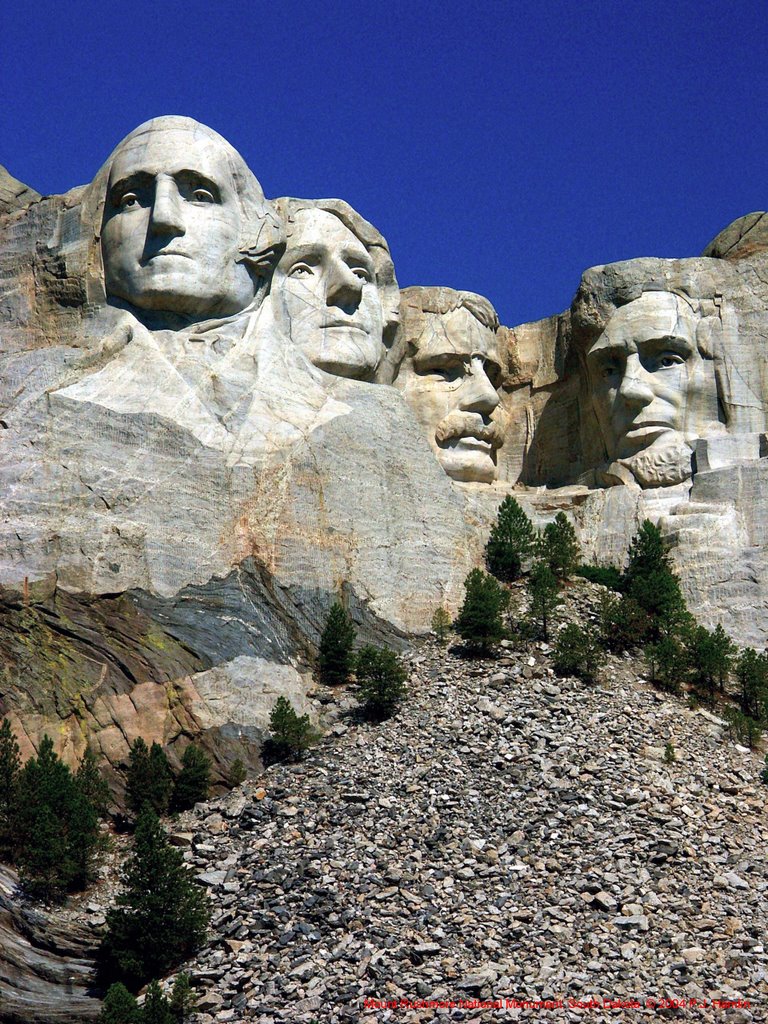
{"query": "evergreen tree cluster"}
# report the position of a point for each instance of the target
(379, 673)
(49, 816)
(149, 778)
(121, 1007)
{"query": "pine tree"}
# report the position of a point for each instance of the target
(441, 623)
(160, 917)
(292, 734)
(710, 656)
(194, 779)
(558, 546)
(10, 765)
(668, 663)
(650, 580)
(510, 541)
(157, 1009)
(149, 778)
(623, 623)
(119, 1007)
(91, 784)
(381, 680)
(752, 675)
(183, 999)
(56, 827)
(237, 773)
(578, 652)
(545, 596)
(335, 658)
(479, 621)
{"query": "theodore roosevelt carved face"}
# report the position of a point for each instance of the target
(650, 386)
(179, 203)
(449, 377)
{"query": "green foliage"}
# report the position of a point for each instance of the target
(441, 623)
(335, 659)
(558, 547)
(291, 734)
(510, 541)
(10, 765)
(752, 676)
(544, 593)
(91, 783)
(194, 779)
(578, 652)
(710, 656)
(381, 680)
(161, 915)
(764, 772)
(479, 621)
(743, 728)
(149, 778)
(668, 663)
(623, 623)
(119, 1007)
(157, 1009)
(237, 773)
(55, 827)
(606, 575)
(670, 756)
(183, 999)
(650, 580)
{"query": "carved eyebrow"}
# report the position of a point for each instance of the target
(313, 249)
(145, 179)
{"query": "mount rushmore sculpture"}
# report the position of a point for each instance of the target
(219, 413)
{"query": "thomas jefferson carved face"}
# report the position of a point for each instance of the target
(172, 226)
(650, 386)
(450, 383)
(326, 284)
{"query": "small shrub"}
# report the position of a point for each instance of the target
(119, 1007)
(291, 734)
(668, 664)
(479, 622)
(710, 657)
(335, 658)
(578, 652)
(156, 1009)
(752, 676)
(764, 772)
(606, 575)
(510, 541)
(558, 546)
(194, 779)
(237, 773)
(183, 999)
(670, 755)
(545, 596)
(441, 624)
(381, 679)
(623, 623)
(743, 728)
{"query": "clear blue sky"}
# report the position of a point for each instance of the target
(500, 147)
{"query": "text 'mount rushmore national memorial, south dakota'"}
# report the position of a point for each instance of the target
(219, 414)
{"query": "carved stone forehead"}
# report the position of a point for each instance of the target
(456, 332)
(171, 148)
(653, 314)
(319, 228)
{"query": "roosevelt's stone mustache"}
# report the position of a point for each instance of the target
(468, 424)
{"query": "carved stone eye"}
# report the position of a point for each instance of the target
(300, 270)
(128, 200)
(202, 195)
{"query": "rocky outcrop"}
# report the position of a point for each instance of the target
(14, 194)
(46, 962)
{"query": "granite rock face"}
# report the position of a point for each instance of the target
(218, 415)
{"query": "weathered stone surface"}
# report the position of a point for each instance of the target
(14, 194)
(744, 237)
